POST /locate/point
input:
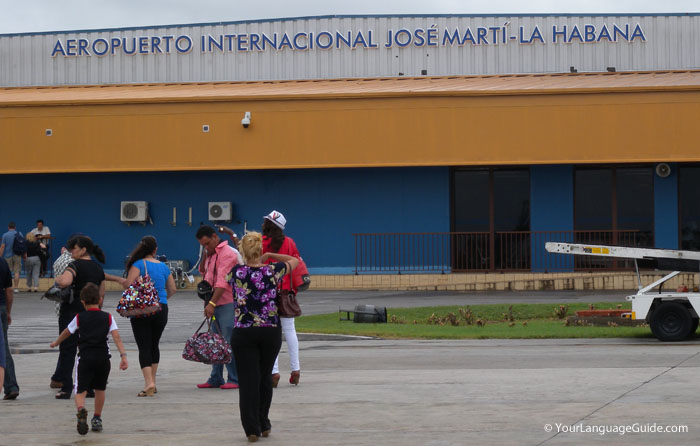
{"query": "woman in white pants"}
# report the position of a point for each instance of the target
(275, 241)
(290, 335)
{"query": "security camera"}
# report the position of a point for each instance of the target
(245, 122)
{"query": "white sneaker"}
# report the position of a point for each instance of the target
(16, 290)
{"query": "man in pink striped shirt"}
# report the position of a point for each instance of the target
(218, 261)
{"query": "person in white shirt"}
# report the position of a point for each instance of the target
(43, 234)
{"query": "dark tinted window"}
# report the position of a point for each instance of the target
(473, 191)
(620, 198)
(635, 202)
(471, 200)
(511, 193)
(689, 194)
(593, 201)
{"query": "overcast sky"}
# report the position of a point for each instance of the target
(20, 16)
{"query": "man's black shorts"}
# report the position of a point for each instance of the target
(92, 374)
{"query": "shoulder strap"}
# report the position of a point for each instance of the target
(216, 257)
(145, 266)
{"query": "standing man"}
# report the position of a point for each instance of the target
(6, 297)
(13, 260)
(219, 261)
(43, 234)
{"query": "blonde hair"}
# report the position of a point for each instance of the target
(251, 246)
(31, 237)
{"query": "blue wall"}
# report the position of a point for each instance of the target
(324, 207)
(551, 209)
(666, 210)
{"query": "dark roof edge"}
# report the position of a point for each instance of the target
(369, 16)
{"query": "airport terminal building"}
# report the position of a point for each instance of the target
(391, 143)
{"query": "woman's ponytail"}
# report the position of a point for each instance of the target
(98, 254)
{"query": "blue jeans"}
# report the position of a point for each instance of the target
(225, 316)
(10, 383)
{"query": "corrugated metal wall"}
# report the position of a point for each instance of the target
(672, 42)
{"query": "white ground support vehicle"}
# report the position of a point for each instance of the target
(672, 315)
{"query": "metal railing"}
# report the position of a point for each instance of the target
(483, 251)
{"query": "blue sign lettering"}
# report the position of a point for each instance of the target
(302, 40)
(100, 47)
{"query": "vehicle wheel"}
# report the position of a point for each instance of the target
(182, 283)
(671, 321)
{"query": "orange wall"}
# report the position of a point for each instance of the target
(426, 131)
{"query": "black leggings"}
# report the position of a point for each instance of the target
(67, 350)
(255, 350)
(147, 332)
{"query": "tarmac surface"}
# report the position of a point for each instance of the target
(366, 391)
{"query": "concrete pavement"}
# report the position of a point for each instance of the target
(371, 391)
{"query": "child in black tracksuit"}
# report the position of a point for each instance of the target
(93, 327)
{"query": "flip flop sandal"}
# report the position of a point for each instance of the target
(147, 392)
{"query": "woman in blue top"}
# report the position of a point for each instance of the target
(147, 330)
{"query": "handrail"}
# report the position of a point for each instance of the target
(443, 252)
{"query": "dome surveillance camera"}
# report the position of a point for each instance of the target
(245, 122)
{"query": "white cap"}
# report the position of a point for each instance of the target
(277, 218)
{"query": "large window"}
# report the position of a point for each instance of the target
(491, 207)
(471, 192)
(619, 201)
(689, 204)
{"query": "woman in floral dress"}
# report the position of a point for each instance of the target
(257, 333)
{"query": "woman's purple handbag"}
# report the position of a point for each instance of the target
(208, 348)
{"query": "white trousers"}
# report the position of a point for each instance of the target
(290, 335)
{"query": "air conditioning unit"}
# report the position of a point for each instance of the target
(220, 211)
(134, 211)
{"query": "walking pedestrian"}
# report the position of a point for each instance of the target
(80, 272)
(9, 379)
(257, 336)
(43, 234)
(93, 327)
(275, 241)
(59, 266)
(219, 260)
(32, 262)
(7, 250)
(148, 330)
(2, 349)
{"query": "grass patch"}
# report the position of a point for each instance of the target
(501, 321)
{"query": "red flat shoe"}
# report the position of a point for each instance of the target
(207, 386)
(229, 386)
(294, 378)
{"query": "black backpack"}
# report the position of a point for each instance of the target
(19, 247)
